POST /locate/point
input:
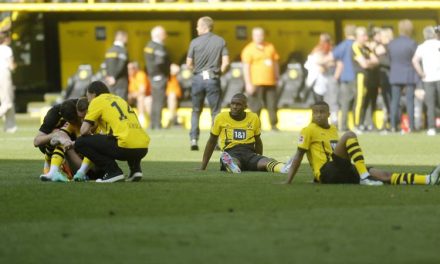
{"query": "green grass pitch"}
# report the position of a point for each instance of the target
(178, 214)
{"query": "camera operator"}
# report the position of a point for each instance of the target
(426, 62)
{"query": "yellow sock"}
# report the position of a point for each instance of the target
(355, 153)
(409, 178)
(274, 166)
(56, 161)
(85, 165)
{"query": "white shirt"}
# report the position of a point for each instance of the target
(429, 53)
(5, 57)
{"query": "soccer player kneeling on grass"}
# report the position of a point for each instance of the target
(331, 157)
(124, 138)
(240, 141)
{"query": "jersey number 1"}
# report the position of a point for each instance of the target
(122, 116)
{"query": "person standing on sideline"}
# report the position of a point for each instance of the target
(122, 138)
(7, 88)
(363, 61)
(428, 56)
(402, 73)
(261, 74)
(344, 72)
(158, 68)
(208, 58)
(116, 60)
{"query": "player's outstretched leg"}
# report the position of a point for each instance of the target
(413, 178)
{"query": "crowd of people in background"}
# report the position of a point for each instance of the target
(368, 71)
(104, 127)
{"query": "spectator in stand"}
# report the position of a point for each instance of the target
(139, 91)
(426, 62)
(402, 73)
(261, 74)
(344, 72)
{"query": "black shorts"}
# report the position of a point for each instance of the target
(339, 170)
(246, 156)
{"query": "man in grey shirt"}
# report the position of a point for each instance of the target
(208, 58)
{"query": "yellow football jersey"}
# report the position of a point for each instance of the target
(71, 130)
(319, 144)
(115, 117)
(233, 132)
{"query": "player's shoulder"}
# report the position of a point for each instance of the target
(252, 116)
(309, 127)
(222, 115)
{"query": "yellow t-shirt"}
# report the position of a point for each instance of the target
(319, 144)
(115, 116)
(233, 132)
(262, 63)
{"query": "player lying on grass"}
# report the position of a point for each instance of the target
(240, 141)
(70, 111)
(331, 157)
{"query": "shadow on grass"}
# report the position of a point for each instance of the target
(175, 171)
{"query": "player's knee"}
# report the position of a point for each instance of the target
(80, 143)
(349, 134)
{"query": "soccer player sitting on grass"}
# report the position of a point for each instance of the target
(124, 138)
(240, 141)
(63, 141)
(68, 112)
(331, 157)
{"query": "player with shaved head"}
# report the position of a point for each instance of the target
(239, 132)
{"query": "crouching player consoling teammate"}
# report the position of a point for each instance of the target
(239, 133)
(123, 138)
(331, 157)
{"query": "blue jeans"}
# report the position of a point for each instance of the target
(201, 89)
(396, 90)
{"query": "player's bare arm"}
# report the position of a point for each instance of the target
(86, 128)
(209, 148)
(189, 63)
(258, 145)
(296, 163)
(42, 139)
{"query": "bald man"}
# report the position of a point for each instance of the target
(158, 68)
(240, 141)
